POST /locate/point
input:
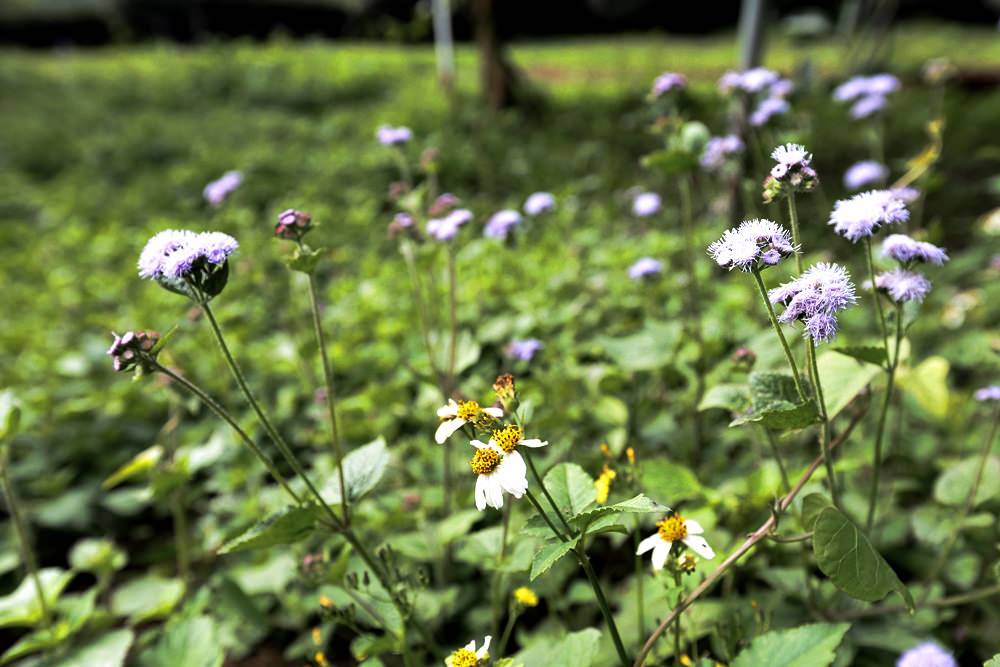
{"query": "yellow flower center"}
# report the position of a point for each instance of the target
(508, 437)
(672, 528)
(463, 657)
(484, 461)
(526, 597)
(687, 563)
(469, 410)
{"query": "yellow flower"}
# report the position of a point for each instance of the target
(630, 453)
(317, 636)
(686, 661)
(320, 659)
(526, 597)
(325, 602)
(603, 484)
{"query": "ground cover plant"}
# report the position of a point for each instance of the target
(612, 379)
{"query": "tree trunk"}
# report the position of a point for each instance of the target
(496, 74)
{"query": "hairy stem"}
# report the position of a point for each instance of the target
(793, 220)
(781, 336)
(890, 382)
(824, 427)
(883, 327)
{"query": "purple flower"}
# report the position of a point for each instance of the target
(928, 654)
(292, 224)
(646, 204)
(883, 84)
(403, 220)
(868, 105)
(666, 82)
(539, 203)
(752, 242)
(444, 203)
(502, 223)
(861, 86)
(132, 348)
(748, 81)
(772, 106)
(393, 136)
(781, 88)
(444, 229)
(159, 248)
(902, 285)
(990, 393)
(906, 195)
(866, 172)
(903, 249)
(814, 298)
(524, 350)
(218, 190)
(647, 267)
(862, 215)
(719, 150)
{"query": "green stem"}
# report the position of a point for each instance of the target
(640, 585)
(23, 539)
(505, 637)
(781, 336)
(452, 316)
(602, 602)
(875, 297)
(880, 429)
(793, 220)
(693, 298)
(406, 248)
(545, 517)
(776, 453)
(824, 428)
(545, 492)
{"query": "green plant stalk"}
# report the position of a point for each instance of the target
(602, 602)
(824, 427)
(224, 415)
(545, 517)
(548, 496)
(777, 329)
(640, 585)
(406, 248)
(21, 528)
(880, 429)
(505, 637)
(693, 297)
(776, 453)
(793, 220)
(869, 258)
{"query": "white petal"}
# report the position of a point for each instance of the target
(448, 411)
(471, 646)
(698, 544)
(496, 413)
(648, 544)
(446, 429)
(534, 442)
(484, 652)
(478, 444)
(481, 493)
(660, 554)
(693, 527)
(494, 492)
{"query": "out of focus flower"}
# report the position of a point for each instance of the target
(445, 229)
(860, 86)
(501, 223)
(938, 70)
(469, 656)
(497, 472)
(443, 204)
(906, 195)
(868, 105)
(753, 244)
(133, 348)
(539, 203)
(388, 135)
(990, 393)
(928, 654)
(719, 150)
(525, 597)
(902, 285)
(866, 172)
(743, 357)
(768, 108)
(524, 350)
(675, 528)
(781, 88)
(218, 190)
(602, 485)
(666, 82)
(505, 388)
(292, 225)
(863, 214)
(814, 298)
(750, 81)
(646, 204)
(646, 267)
(903, 249)
(454, 415)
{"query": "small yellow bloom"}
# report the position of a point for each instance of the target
(325, 602)
(317, 636)
(686, 661)
(320, 659)
(605, 449)
(603, 484)
(526, 597)
(630, 453)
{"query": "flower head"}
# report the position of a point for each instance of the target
(132, 349)
(388, 135)
(469, 656)
(675, 528)
(645, 267)
(867, 106)
(772, 106)
(666, 82)
(539, 203)
(188, 263)
(719, 150)
(602, 485)
(904, 250)
(497, 472)
(793, 172)
(781, 88)
(792, 155)
(863, 214)
(444, 203)
(902, 285)
(292, 225)
(502, 223)
(814, 298)
(159, 248)
(749, 81)
(927, 654)
(456, 414)
(866, 172)
(860, 86)
(988, 393)
(755, 243)
(646, 204)
(445, 229)
(525, 597)
(524, 350)
(218, 190)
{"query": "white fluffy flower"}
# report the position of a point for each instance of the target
(672, 529)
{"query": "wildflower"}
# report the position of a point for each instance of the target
(159, 248)
(990, 393)
(325, 602)
(445, 229)
(603, 484)
(218, 190)
(781, 88)
(292, 225)
(133, 348)
(903, 249)
(401, 222)
(750, 81)
(630, 455)
(902, 285)
(504, 388)
(791, 156)
(539, 203)
(686, 563)
(860, 86)
(510, 436)
(388, 135)
(524, 350)
(317, 636)
(675, 528)
(497, 471)
(927, 654)
(814, 298)
(646, 267)
(863, 214)
(525, 597)
(469, 656)
(719, 150)
(320, 659)
(443, 204)
(906, 195)
(646, 204)
(666, 82)
(768, 108)
(195, 265)
(866, 172)
(793, 172)
(501, 223)
(868, 105)
(752, 245)
(455, 415)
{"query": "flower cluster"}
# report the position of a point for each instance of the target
(988, 393)
(792, 173)
(645, 267)
(132, 349)
(292, 225)
(388, 135)
(539, 203)
(671, 530)
(753, 245)
(927, 654)
(667, 82)
(814, 298)
(719, 151)
(445, 229)
(902, 285)
(863, 214)
(768, 108)
(905, 250)
(646, 204)
(180, 258)
(869, 94)
(502, 223)
(866, 172)
(525, 349)
(751, 81)
(219, 190)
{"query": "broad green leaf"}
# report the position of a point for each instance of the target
(812, 645)
(781, 419)
(843, 378)
(577, 649)
(571, 487)
(993, 662)
(928, 385)
(106, 650)
(605, 523)
(640, 504)
(547, 556)
(846, 555)
(36, 641)
(731, 397)
(71, 612)
(955, 484)
(869, 353)
(650, 348)
(812, 505)
(670, 481)
(191, 642)
(147, 598)
(288, 526)
(140, 464)
(97, 556)
(775, 403)
(22, 608)
(363, 468)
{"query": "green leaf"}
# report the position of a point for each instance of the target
(99, 556)
(843, 379)
(10, 415)
(21, 608)
(72, 612)
(993, 662)
(955, 484)
(673, 482)
(650, 348)
(548, 555)
(191, 642)
(731, 397)
(639, 504)
(304, 260)
(288, 526)
(577, 649)
(868, 353)
(928, 385)
(140, 464)
(363, 468)
(571, 488)
(846, 555)
(605, 523)
(812, 505)
(775, 403)
(147, 598)
(814, 645)
(106, 650)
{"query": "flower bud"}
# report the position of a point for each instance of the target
(506, 391)
(744, 358)
(133, 349)
(429, 160)
(443, 205)
(292, 225)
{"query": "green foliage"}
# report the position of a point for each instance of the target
(954, 485)
(812, 645)
(146, 598)
(287, 526)
(22, 607)
(363, 468)
(191, 642)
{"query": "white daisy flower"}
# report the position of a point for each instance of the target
(455, 415)
(469, 656)
(674, 528)
(510, 436)
(498, 471)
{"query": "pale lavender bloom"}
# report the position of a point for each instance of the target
(904, 249)
(868, 105)
(160, 248)
(928, 654)
(720, 149)
(902, 285)
(781, 88)
(772, 106)
(906, 195)
(668, 81)
(205, 248)
(646, 204)
(393, 136)
(445, 229)
(524, 350)
(218, 190)
(990, 393)
(791, 155)
(883, 84)
(539, 203)
(860, 86)
(646, 267)
(730, 81)
(444, 203)
(866, 172)
(403, 220)
(862, 215)
(750, 81)
(752, 242)
(814, 298)
(502, 223)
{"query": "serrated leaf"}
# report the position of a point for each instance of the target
(288, 526)
(571, 488)
(147, 598)
(868, 353)
(140, 464)
(775, 403)
(191, 642)
(363, 468)
(548, 555)
(814, 645)
(731, 397)
(606, 523)
(639, 504)
(781, 419)
(955, 484)
(106, 650)
(847, 557)
(22, 608)
(843, 378)
(577, 649)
